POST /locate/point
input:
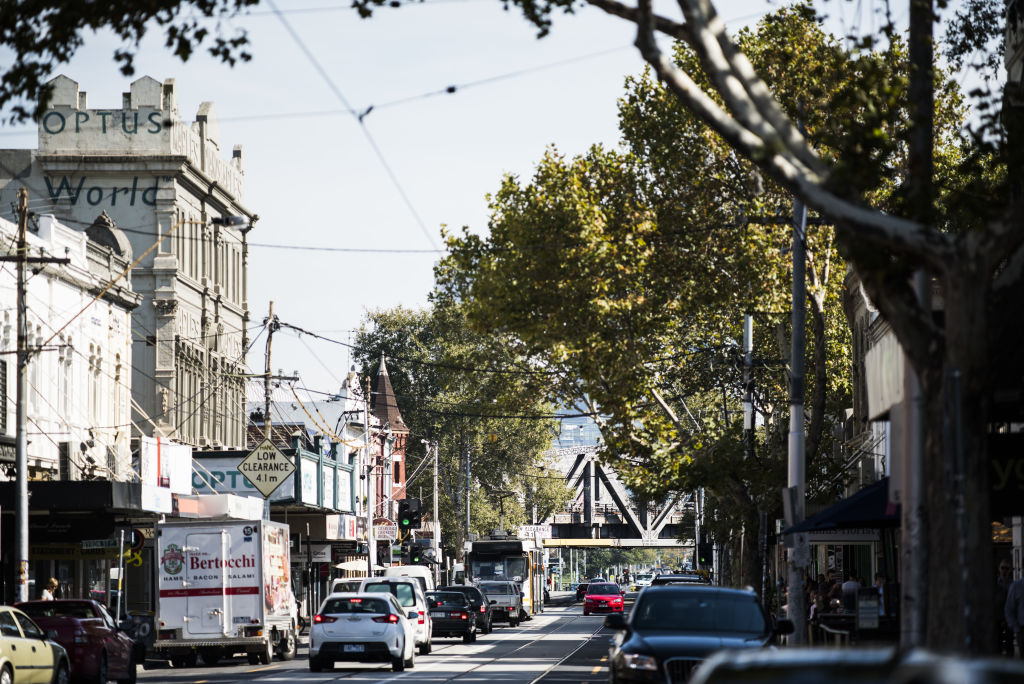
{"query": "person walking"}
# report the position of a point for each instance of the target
(1014, 612)
(48, 591)
(1004, 637)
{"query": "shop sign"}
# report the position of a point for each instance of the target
(388, 532)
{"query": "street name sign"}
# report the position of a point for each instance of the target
(266, 467)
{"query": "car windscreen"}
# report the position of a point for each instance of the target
(603, 589)
(472, 594)
(47, 609)
(497, 588)
(338, 606)
(446, 598)
(699, 612)
(402, 591)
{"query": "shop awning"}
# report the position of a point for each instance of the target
(867, 509)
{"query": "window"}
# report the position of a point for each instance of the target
(339, 606)
(8, 627)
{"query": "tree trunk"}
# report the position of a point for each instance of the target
(959, 563)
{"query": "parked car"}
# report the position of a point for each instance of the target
(27, 653)
(603, 597)
(581, 590)
(452, 615)
(411, 597)
(363, 627)
(480, 602)
(97, 648)
(507, 600)
(673, 628)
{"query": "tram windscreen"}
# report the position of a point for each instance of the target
(515, 569)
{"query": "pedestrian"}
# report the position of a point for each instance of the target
(49, 589)
(883, 591)
(1004, 637)
(849, 592)
(1014, 612)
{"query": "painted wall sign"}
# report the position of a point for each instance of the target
(73, 191)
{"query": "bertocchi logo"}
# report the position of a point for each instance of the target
(173, 559)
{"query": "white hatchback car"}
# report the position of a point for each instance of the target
(362, 627)
(409, 593)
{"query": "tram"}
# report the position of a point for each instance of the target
(500, 557)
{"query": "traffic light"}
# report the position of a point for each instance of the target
(404, 517)
(415, 554)
(415, 515)
(704, 554)
(406, 553)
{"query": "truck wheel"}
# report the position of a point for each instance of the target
(263, 656)
(210, 656)
(288, 645)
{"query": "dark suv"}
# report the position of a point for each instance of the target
(479, 601)
(452, 615)
(674, 627)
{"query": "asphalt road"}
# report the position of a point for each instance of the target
(558, 646)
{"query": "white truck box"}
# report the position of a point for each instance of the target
(223, 587)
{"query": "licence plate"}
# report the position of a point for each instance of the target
(436, 614)
(354, 648)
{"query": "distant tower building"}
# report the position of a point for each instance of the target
(151, 172)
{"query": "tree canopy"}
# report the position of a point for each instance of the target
(468, 393)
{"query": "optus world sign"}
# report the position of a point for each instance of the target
(266, 467)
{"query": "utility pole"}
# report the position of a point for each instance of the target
(272, 325)
(21, 419)
(371, 541)
(467, 493)
(21, 441)
(437, 521)
(797, 543)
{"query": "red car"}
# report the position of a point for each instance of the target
(97, 648)
(603, 597)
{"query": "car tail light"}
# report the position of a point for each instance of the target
(321, 619)
(463, 616)
(483, 609)
(421, 619)
(391, 617)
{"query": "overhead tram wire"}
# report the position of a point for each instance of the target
(344, 101)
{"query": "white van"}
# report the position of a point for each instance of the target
(421, 572)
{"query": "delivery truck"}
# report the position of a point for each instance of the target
(223, 588)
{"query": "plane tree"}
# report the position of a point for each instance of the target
(468, 393)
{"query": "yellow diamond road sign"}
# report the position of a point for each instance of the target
(266, 467)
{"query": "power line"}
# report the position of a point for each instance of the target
(373, 144)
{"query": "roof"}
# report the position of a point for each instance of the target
(383, 402)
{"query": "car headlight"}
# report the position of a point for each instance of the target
(638, 661)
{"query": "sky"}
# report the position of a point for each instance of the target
(351, 212)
